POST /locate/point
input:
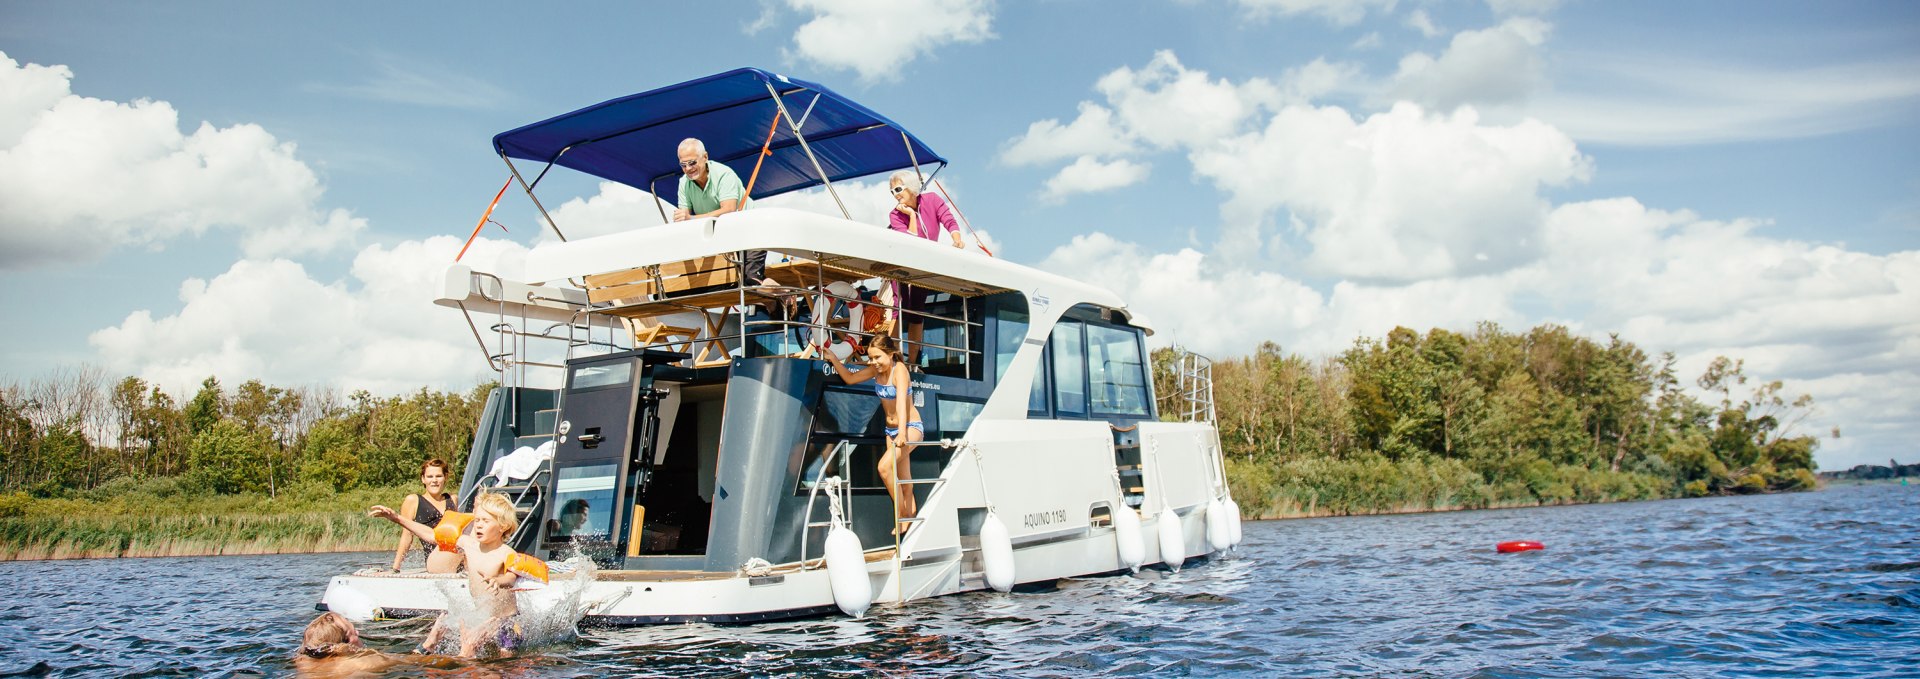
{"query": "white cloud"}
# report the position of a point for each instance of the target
(1337, 12)
(1522, 7)
(1368, 41)
(1167, 104)
(1400, 196)
(396, 80)
(1087, 175)
(877, 38)
(1419, 21)
(1661, 100)
(1497, 65)
(80, 175)
(1093, 132)
(270, 320)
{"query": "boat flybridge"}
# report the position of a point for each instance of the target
(714, 468)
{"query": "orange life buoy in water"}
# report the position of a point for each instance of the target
(447, 532)
(1512, 546)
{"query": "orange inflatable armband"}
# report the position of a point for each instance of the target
(530, 569)
(447, 532)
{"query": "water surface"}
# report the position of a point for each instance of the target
(1807, 584)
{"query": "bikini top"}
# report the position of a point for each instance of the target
(888, 391)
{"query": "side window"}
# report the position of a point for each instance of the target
(1117, 375)
(1069, 368)
(1037, 394)
(1009, 331)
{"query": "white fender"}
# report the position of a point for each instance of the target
(1219, 532)
(1126, 536)
(350, 603)
(1233, 521)
(996, 550)
(1173, 540)
(847, 571)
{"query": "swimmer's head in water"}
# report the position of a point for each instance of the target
(497, 510)
(329, 634)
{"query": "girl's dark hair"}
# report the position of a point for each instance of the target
(890, 345)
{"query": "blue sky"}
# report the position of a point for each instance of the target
(1324, 168)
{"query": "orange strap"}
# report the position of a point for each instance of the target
(963, 217)
(764, 152)
(483, 219)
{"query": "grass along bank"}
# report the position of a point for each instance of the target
(1372, 484)
(158, 517)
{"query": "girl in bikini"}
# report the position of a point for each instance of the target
(894, 385)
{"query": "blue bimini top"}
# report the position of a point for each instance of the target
(634, 139)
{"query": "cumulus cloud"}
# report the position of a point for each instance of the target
(1522, 7)
(1092, 133)
(1837, 324)
(1399, 196)
(1088, 175)
(1161, 106)
(877, 38)
(1337, 12)
(1498, 65)
(80, 175)
(1419, 20)
(272, 320)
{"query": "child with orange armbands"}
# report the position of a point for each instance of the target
(491, 571)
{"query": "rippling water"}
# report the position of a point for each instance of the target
(1809, 584)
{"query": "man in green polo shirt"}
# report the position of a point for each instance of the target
(710, 189)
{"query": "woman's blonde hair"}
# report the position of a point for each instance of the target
(498, 508)
(330, 634)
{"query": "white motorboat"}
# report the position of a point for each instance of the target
(728, 474)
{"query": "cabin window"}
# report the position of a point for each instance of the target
(1009, 333)
(1069, 369)
(602, 375)
(589, 486)
(1116, 373)
(1037, 394)
(956, 415)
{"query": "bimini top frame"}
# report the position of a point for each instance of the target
(736, 114)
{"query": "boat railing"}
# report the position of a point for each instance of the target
(1193, 387)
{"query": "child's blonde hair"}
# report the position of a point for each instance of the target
(498, 508)
(329, 634)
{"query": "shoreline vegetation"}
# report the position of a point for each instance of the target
(1411, 423)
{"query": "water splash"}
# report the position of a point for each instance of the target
(549, 616)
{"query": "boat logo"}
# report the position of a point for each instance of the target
(1047, 518)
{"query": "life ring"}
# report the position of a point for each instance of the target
(447, 532)
(1512, 546)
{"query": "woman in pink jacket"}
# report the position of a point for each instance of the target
(924, 215)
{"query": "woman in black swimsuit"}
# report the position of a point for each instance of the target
(427, 508)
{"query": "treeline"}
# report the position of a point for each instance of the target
(73, 431)
(1489, 419)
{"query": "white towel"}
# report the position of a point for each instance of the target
(521, 463)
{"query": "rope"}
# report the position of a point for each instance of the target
(764, 152)
(484, 218)
(963, 217)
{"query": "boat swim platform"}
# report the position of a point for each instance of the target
(876, 555)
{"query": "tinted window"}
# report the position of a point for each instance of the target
(849, 410)
(957, 415)
(1010, 330)
(1069, 369)
(1117, 376)
(590, 376)
(585, 497)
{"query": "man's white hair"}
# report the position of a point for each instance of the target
(694, 145)
(909, 179)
